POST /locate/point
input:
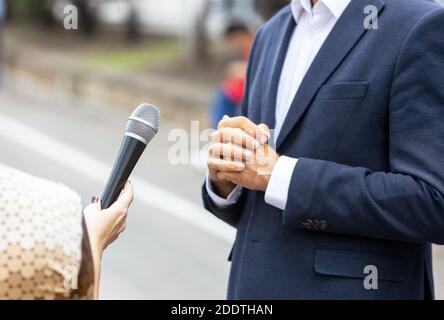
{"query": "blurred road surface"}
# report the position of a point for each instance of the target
(160, 256)
(171, 249)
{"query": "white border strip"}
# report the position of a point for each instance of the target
(98, 171)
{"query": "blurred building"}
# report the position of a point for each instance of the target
(170, 17)
(177, 17)
(166, 17)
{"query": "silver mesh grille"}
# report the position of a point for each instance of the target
(144, 122)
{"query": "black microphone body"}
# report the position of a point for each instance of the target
(130, 152)
(143, 124)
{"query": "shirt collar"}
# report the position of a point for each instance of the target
(336, 7)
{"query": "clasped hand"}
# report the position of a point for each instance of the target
(240, 155)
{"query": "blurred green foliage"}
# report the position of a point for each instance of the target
(26, 9)
(146, 57)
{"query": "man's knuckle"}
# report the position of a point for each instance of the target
(213, 149)
(226, 135)
(211, 162)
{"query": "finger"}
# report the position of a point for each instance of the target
(245, 124)
(217, 164)
(234, 178)
(122, 228)
(229, 151)
(93, 207)
(127, 195)
(265, 129)
(99, 204)
(124, 201)
(235, 136)
(238, 122)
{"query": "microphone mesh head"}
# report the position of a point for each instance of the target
(144, 122)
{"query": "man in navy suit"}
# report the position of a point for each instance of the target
(351, 185)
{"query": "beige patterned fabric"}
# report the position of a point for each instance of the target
(41, 238)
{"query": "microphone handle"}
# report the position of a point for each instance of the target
(130, 152)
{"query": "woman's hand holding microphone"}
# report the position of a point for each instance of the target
(105, 226)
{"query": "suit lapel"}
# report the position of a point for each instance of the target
(347, 32)
(276, 55)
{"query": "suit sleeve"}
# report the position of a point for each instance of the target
(407, 203)
(231, 214)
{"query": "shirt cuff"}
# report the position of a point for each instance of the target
(277, 190)
(220, 202)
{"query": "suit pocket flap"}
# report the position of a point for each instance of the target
(352, 264)
(343, 90)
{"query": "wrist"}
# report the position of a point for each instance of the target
(96, 248)
(96, 252)
(266, 181)
(267, 173)
(223, 188)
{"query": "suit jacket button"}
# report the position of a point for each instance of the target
(316, 225)
(323, 225)
(308, 224)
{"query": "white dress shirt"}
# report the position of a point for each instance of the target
(314, 23)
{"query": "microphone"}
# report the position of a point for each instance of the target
(142, 126)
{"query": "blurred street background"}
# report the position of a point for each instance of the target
(65, 96)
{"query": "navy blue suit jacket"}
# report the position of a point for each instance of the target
(367, 126)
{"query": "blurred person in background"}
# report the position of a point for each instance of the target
(50, 248)
(229, 95)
